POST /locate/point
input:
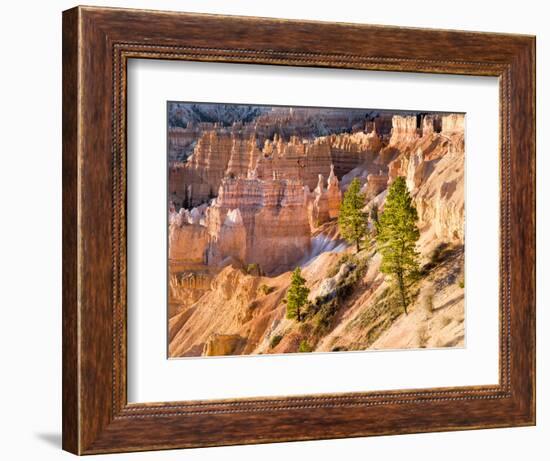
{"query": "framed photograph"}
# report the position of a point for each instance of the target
(281, 230)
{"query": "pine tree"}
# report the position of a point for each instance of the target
(296, 296)
(397, 237)
(352, 220)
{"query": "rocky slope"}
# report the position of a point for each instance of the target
(244, 216)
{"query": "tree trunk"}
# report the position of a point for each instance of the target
(402, 292)
(298, 314)
(357, 246)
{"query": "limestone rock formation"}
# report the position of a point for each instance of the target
(319, 206)
(452, 124)
(334, 195)
(440, 199)
(188, 244)
(351, 150)
(227, 235)
(252, 220)
(376, 183)
(415, 170)
(296, 160)
(186, 288)
(219, 344)
(196, 180)
(403, 129)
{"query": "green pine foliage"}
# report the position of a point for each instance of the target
(304, 346)
(397, 237)
(352, 220)
(296, 296)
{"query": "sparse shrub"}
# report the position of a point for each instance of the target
(324, 308)
(304, 346)
(275, 340)
(346, 286)
(461, 283)
(339, 349)
(253, 269)
(379, 316)
(325, 314)
(266, 289)
(346, 257)
(360, 265)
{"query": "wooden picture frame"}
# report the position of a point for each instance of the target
(97, 43)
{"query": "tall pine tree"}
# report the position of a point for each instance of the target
(352, 220)
(296, 296)
(397, 237)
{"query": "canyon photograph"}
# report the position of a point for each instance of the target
(310, 229)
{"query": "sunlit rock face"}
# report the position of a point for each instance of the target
(188, 242)
(432, 161)
(318, 205)
(452, 125)
(415, 170)
(351, 150)
(334, 195)
(376, 183)
(227, 155)
(295, 160)
(404, 129)
(323, 204)
(260, 222)
(195, 181)
(439, 198)
(219, 344)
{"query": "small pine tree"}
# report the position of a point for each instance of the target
(296, 296)
(352, 220)
(397, 237)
